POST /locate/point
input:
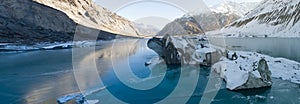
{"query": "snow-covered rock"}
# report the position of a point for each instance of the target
(244, 71)
(182, 50)
(148, 63)
(240, 74)
(208, 55)
(78, 97)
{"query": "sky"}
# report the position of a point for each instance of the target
(166, 10)
(147, 9)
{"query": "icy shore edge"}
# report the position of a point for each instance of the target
(46, 46)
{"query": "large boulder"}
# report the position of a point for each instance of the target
(183, 50)
(255, 82)
(245, 72)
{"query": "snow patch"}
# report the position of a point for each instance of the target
(92, 101)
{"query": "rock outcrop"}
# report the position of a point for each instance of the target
(165, 49)
(32, 21)
(183, 50)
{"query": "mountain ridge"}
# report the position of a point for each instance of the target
(199, 23)
(231, 7)
(146, 29)
(272, 18)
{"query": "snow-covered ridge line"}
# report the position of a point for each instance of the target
(231, 7)
(272, 18)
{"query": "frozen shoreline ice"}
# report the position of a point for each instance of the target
(47, 46)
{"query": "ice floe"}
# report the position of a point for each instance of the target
(79, 98)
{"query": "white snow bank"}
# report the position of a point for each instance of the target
(60, 46)
(235, 72)
(18, 48)
(69, 45)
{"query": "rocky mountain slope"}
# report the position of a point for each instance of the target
(198, 24)
(272, 18)
(31, 21)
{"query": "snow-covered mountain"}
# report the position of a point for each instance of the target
(198, 24)
(146, 30)
(272, 18)
(231, 7)
(220, 16)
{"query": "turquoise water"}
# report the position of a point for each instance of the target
(36, 76)
(43, 76)
(276, 47)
